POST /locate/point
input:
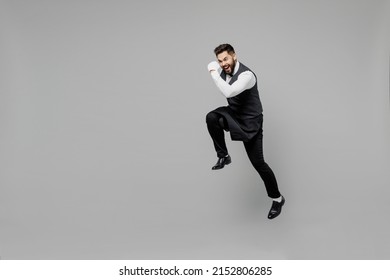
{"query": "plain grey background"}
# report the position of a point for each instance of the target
(104, 151)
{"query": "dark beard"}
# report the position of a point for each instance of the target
(232, 66)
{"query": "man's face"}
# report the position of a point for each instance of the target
(227, 61)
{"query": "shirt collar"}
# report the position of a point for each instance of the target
(236, 68)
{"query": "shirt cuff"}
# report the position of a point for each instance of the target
(215, 74)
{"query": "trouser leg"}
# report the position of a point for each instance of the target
(216, 129)
(254, 149)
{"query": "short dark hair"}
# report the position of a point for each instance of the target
(222, 48)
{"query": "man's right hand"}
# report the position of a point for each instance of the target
(213, 66)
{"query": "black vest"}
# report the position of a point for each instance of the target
(247, 104)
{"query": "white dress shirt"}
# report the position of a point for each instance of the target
(245, 80)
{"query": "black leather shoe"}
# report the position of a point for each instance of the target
(276, 209)
(222, 162)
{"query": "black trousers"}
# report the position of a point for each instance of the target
(216, 124)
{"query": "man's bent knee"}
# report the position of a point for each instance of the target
(212, 117)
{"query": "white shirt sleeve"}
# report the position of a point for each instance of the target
(245, 80)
